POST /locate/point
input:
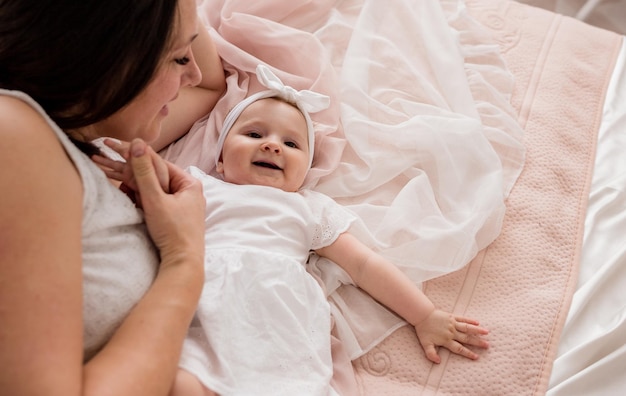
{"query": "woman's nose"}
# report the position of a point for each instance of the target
(271, 146)
(192, 75)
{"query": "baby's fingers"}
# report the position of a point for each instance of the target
(470, 339)
(120, 147)
(160, 167)
(470, 334)
(460, 349)
(431, 353)
(108, 164)
(469, 326)
(116, 170)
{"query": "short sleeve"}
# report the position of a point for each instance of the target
(331, 219)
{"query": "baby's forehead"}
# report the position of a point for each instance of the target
(274, 110)
(273, 101)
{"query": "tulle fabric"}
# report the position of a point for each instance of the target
(420, 140)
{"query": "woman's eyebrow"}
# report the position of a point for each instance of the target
(186, 43)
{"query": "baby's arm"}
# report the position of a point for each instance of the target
(388, 285)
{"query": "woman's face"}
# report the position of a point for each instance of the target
(142, 117)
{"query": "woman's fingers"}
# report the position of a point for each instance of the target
(143, 169)
(119, 170)
(160, 166)
(161, 169)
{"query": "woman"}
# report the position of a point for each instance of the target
(96, 295)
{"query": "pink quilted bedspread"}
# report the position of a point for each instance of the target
(521, 285)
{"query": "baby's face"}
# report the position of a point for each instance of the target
(268, 145)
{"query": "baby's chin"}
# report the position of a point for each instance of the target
(279, 186)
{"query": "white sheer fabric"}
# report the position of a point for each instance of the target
(419, 140)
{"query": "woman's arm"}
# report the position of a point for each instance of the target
(40, 259)
(388, 285)
(195, 102)
(41, 336)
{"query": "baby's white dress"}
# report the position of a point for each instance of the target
(263, 322)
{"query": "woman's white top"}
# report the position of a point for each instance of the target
(119, 259)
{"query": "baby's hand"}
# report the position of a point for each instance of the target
(452, 332)
(122, 172)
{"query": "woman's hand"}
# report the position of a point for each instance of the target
(175, 220)
(122, 171)
(173, 207)
(451, 332)
(172, 199)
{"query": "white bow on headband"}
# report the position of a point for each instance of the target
(306, 101)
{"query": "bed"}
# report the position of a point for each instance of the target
(480, 144)
(607, 14)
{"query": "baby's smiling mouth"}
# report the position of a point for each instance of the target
(266, 165)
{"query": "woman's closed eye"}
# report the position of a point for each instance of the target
(182, 61)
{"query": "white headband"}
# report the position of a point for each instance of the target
(306, 101)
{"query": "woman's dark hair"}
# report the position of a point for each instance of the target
(82, 60)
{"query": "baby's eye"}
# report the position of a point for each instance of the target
(291, 144)
(254, 134)
(182, 61)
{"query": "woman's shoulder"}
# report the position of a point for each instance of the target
(30, 146)
(21, 121)
(24, 126)
(15, 112)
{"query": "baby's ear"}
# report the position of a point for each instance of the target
(219, 168)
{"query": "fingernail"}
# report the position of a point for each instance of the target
(138, 149)
(112, 141)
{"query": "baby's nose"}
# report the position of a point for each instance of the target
(271, 146)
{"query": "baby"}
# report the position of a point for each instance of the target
(263, 323)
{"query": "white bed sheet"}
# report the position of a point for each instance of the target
(592, 351)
